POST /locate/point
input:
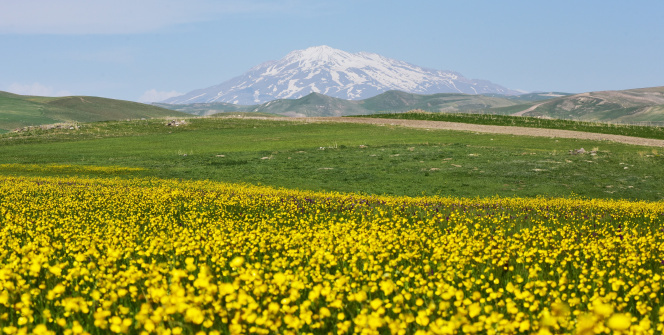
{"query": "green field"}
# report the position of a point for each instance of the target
(531, 122)
(342, 157)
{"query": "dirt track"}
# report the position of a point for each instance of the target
(522, 131)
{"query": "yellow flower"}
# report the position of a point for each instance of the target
(195, 315)
(375, 322)
(524, 325)
(77, 328)
(360, 296)
(226, 288)
(324, 312)
(422, 319)
(474, 310)
(604, 310)
(149, 326)
(55, 270)
(41, 329)
(376, 303)
(237, 262)
(387, 286)
(619, 322)
(278, 278)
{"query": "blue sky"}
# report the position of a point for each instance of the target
(145, 50)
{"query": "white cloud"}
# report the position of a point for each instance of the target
(123, 16)
(36, 89)
(155, 96)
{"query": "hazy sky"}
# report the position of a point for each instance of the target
(146, 50)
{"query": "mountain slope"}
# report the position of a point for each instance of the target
(316, 104)
(628, 106)
(635, 105)
(335, 73)
(208, 108)
(442, 102)
(313, 104)
(18, 111)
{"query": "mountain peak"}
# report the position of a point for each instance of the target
(322, 53)
(336, 73)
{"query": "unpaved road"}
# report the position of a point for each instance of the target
(521, 131)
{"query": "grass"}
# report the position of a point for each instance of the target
(532, 122)
(342, 157)
(17, 111)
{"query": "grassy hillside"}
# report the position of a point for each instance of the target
(444, 102)
(313, 104)
(316, 104)
(539, 96)
(627, 106)
(340, 157)
(207, 109)
(17, 111)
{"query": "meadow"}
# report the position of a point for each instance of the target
(144, 256)
(343, 157)
(235, 226)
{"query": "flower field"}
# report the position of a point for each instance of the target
(143, 256)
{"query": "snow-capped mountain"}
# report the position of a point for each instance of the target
(335, 73)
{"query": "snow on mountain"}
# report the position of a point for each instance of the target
(335, 73)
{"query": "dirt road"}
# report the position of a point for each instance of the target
(522, 131)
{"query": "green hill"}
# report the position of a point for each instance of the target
(206, 109)
(626, 106)
(313, 104)
(17, 111)
(316, 104)
(442, 102)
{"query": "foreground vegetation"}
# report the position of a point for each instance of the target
(143, 256)
(340, 157)
(531, 122)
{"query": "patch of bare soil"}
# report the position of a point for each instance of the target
(477, 128)
(532, 108)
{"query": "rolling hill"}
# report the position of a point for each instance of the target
(205, 108)
(17, 111)
(626, 106)
(316, 104)
(441, 102)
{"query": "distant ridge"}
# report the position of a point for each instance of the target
(316, 104)
(644, 105)
(626, 106)
(17, 111)
(335, 73)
